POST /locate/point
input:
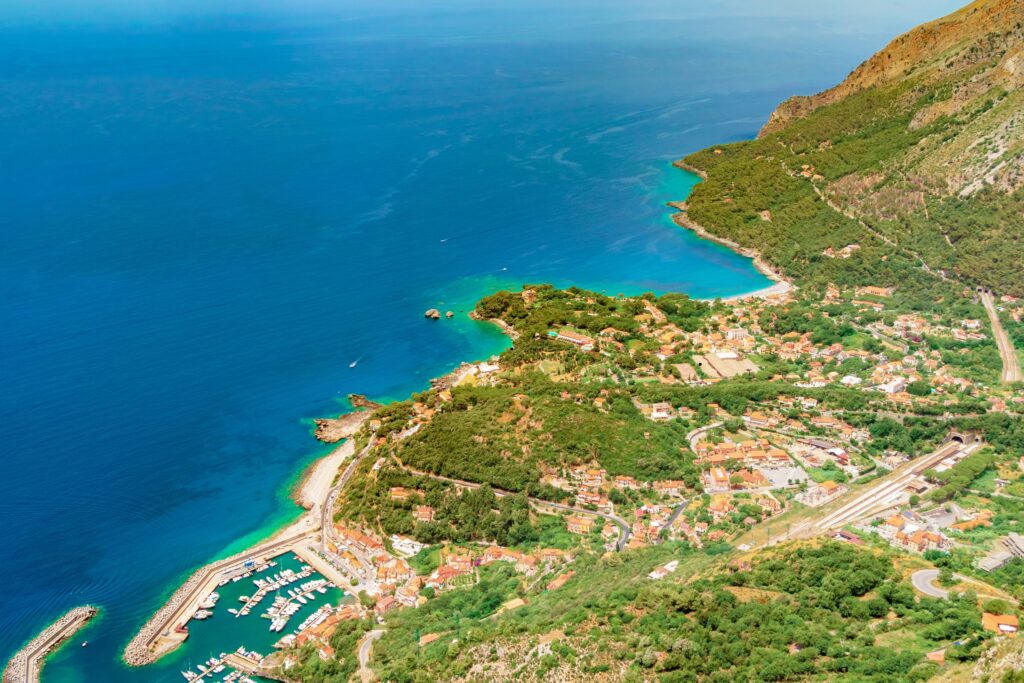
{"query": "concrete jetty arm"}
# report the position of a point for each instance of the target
(161, 633)
(25, 665)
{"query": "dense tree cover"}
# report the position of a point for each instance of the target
(914, 436)
(799, 613)
(803, 318)
(501, 436)
(459, 516)
(959, 476)
(588, 311)
(686, 313)
(739, 393)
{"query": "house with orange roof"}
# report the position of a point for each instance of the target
(579, 524)
(719, 507)
(446, 577)
(399, 493)
(1003, 624)
(560, 580)
(669, 487)
(625, 482)
(716, 479)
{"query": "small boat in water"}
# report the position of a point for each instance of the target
(85, 643)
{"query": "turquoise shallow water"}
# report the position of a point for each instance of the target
(209, 214)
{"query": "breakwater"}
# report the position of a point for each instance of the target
(25, 665)
(166, 629)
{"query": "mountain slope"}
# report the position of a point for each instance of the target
(918, 157)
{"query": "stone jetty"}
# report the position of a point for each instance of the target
(167, 628)
(25, 665)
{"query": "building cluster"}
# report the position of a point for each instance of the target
(745, 465)
(1008, 548)
(920, 531)
(395, 584)
(816, 452)
(590, 484)
(715, 517)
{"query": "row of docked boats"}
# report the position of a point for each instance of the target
(285, 606)
(205, 610)
(214, 666)
(259, 569)
(265, 586)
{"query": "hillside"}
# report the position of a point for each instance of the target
(917, 158)
(652, 488)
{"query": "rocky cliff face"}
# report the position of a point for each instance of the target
(985, 34)
(922, 145)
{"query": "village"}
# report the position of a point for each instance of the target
(858, 361)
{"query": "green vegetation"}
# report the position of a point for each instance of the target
(892, 186)
(798, 613)
(312, 668)
(871, 156)
(957, 478)
(502, 436)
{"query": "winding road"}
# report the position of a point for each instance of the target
(365, 648)
(924, 581)
(1011, 365)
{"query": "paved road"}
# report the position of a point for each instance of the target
(365, 648)
(924, 581)
(327, 512)
(676, 511)
(1011, 366)
(694, 437)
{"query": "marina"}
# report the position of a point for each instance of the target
(218, 668)
(265, 586)
(290, 596)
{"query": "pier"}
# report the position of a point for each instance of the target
(25, 665)
(168, 627)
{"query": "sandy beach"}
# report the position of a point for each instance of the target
(159, 635)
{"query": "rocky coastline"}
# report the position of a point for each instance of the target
(691, 169)
(334, 429)
(501, 324)
(782, 284)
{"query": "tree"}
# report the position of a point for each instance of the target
(946, 577)
(996, 606)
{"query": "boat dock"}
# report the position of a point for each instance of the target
(25, 665)
(284, 608)
(168, 628)
(265, 587)
(240, 661)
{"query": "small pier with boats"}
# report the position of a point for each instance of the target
(289, 596)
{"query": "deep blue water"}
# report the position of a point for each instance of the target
(206, 215)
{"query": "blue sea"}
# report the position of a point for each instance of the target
(208, 211)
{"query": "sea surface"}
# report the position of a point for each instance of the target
(209, 211)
